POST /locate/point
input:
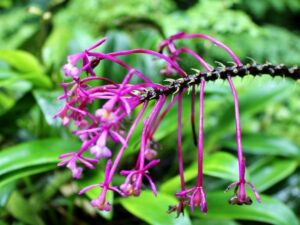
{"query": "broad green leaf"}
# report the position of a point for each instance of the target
(28, 171)
(206, 221)
(153, 210)
(254, 99)
(21, 60)
(34, 153)
(259, 96)
(220, 164)
(31, 158)
(5, 192)
(23, 34)
(55, 48)
(2, 222)
(12, 93)
(118, 40)
(5, 3)
(38, 199)
(15, 29)
(269, 171)
(27, 66)
(266, 145)
(5, 103)
(49, 105)
(270, 210)
(37, 80)
(22, 210)
(7, 76)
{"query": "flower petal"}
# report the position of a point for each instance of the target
(82, 191)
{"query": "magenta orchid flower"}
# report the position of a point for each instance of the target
(119, 102)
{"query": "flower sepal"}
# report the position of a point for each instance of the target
(240, 197)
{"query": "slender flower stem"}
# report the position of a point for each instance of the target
(200, 197)
(146, 134)
(182, 35)
(238, 132)
(141, 168)
(192, 118)
(153, 122)
(121, 63)
(236, 105)
(195, 55)
(201, 135)
(179, 143)
(147, 51)
(123, 148)
(163, 114)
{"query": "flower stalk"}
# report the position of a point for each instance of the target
(121, 101)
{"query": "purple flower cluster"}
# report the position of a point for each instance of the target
(117, 102)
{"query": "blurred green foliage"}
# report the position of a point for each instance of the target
(35, 39)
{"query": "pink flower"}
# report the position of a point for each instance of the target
(133, 182)
(103, 132)
(71, 162)
(194, 197)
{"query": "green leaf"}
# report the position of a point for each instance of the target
(266, 145)
(34, 153)
(55, 48)
(2, 222)
(49, 105)
(28, 171)
(5, 192)
(5, 3)
(254, 99)
(206, 221)
(27, 66)
(118, 40)
(222, 165)
(24, 33)
(21, 60)
(153, 210)
(270, 210)
(16, 31)
(11, 93)
(259, 96)
(31, 158)
(22, 210)
(269, 171)
(39, 199)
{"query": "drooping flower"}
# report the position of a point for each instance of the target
(101, 203)
(241, 195)
(71, 162)
(118, 102)
(133, 182)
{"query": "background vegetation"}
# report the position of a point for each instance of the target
(35, 38)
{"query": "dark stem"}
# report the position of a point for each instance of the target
(221, 73)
